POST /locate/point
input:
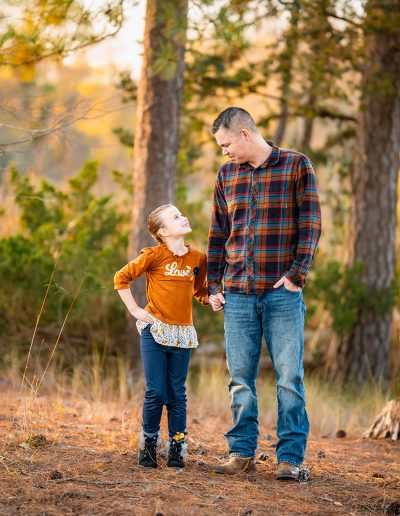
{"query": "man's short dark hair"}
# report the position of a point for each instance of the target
(233, 118)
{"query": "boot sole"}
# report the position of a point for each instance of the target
(225, 472)
(287, 477)
(153, 466)
(169, 465)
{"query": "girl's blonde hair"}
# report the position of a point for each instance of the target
(155, 221)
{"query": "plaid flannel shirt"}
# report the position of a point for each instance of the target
(266, 223)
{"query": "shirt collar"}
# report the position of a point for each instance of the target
(168, 250)
(272, 159)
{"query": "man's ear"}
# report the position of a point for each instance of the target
(246, 134)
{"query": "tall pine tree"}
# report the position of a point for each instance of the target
(157, 123)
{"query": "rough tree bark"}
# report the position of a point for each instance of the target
(308, 125)
(286, 65)
(157, 126)
(365, 352)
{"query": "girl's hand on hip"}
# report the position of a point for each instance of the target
(142, 315)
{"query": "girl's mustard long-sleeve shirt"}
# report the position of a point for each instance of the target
(171, 281)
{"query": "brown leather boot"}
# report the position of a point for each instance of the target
(287, 471)
(236, 465)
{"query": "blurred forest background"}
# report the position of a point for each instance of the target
(90, 143)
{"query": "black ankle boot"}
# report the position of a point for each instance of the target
(176, 451)
(148, 451)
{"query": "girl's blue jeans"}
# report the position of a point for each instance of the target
(279, 317)
(165, 371)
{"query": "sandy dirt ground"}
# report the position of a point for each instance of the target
(81, 458)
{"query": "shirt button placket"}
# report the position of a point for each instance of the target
(251, 236)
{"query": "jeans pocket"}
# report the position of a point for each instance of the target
(291, 291)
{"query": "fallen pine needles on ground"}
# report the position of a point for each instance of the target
(80, 458)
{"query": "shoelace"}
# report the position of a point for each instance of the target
(150, 447)
(304, 474)
(175, 449)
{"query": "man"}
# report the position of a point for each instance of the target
(265, 227)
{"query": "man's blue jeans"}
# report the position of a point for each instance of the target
(279, 316)
(165, 370)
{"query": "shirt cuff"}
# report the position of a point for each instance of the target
(121, 286)
(215, 288)
(297, 279)
(201, 297)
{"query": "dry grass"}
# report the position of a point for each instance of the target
(90, 430)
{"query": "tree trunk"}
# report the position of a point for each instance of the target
(286, 65)
(365, 353)
(157, 127)
(308, 125)
(283, 118)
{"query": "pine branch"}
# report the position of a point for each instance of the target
(331, 14)
(319, 113)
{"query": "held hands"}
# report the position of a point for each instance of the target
(217, 302)
(141, 315)
(288, 284)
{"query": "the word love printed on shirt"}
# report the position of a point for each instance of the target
(172, 270)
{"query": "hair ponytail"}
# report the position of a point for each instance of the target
(155, 222)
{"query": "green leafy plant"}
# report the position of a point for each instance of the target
(89, 235)
(345, 295)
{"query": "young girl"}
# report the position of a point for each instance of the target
(174, 273)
